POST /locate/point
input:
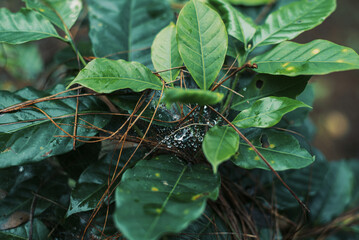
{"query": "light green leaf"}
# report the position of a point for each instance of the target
(68, 10)
(219, 144)
(165, 53)
(266, 112)
(162, 195)
(106, 76)
(314, 58)
(201, 97)
(291, 20)
(202, 42)
(281, 150)
(24, 26)
(127, 27)
(28, 135)
(250, 2)
(238, 25)
(268, 85)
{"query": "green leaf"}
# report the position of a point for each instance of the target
(68, 10)
(335, 193)
(220, 144)
(281, 150)
(290, 20)
(24, 26)
(250, 2)
(268, 85)
(238, 25)
(39, 229)
(266, 112)
(162, 195)
(202, 42)
(201, 97)
(28, 135)
(128, 27)
(165, 53)
(314, 58)
(106, 76)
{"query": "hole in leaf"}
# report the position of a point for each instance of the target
(259, 84)
(264, 141)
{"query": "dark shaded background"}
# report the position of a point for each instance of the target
(337, 95)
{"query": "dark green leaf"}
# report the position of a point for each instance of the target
(68, 10)
(335, 193)
(127, 27)
(28, 135)
(266, 112)
(202, 42)
(238, 25)
(220, 144)
(162, 195)
(165, 53)
(106, 76)
(316, 57)
(281, 150)
(24, 26)
(39, 229)
(291, 20)
(201, 97)
(267, 85)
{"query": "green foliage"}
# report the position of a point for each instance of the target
(172, 196)
(201, 43)
(185, 152)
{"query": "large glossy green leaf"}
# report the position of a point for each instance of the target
(165, 53)
(238, 25)
(28, 135)
(39, 231)
(266, 112)
(220, 144)
(316, 57)
(290, 20)
(268, 85)
(24, 26)
(68, 10)
(201, 97)
(281, 150)
(162, 195)
(202, 42)
(105, 76)
(125, 29)
(335, 193)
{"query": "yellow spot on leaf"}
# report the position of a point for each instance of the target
(290, 68)
(272, 146)
(195, 197)
(316, 51)
(285, 64)
(256, 158)
(154, 189)
(250, 149)
(157, 175)
(186, 211)
(41, 148)
(100, 24)
(272, 162)
(345, 50)
(158, 210)
(157, 158)
(340, 61)
(42, 10)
